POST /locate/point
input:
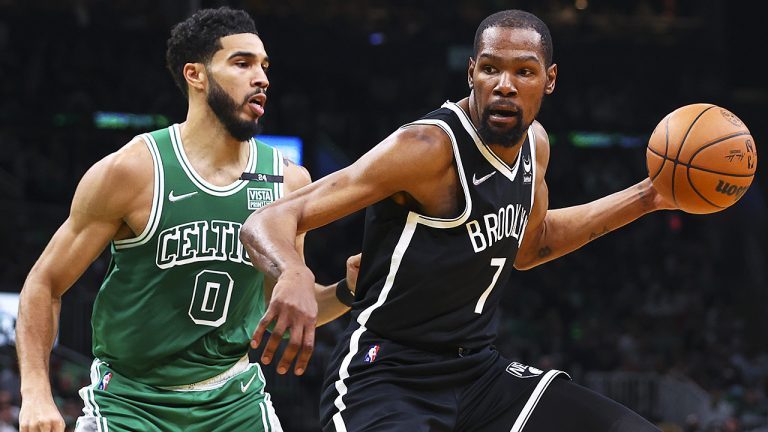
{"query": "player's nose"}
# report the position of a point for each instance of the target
(505, 86)
(260, 79)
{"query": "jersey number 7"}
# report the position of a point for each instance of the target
(499, 264)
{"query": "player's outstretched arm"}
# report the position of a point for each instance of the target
(95, 217)
(406, 158)
(553, 233)
(328, 305)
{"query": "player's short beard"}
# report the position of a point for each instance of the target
(226, 109)
(507, 137)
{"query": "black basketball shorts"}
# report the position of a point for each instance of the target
(379, 385)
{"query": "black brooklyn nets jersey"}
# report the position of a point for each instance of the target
(435, 283)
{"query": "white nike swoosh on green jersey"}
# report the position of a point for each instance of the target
(174, 198)
(243, 388)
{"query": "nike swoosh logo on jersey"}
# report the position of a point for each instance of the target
(174, 198)
(244, 387)
(476, 181)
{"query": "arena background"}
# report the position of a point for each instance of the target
(667, 315)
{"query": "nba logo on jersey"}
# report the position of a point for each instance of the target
(527, 176)
(371, 355)
(259, 197)
(105, 381)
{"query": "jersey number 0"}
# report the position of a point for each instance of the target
(210, 298)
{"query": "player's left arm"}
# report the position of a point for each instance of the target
(552, 233)
(329, 306)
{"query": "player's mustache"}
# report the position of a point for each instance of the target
(506, 106)
(252, 94)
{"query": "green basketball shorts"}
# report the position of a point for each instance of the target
(232, 401)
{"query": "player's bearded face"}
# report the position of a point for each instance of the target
(507, 137)
(227, 110)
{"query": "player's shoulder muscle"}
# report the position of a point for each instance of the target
(295, 176)
(422, 150)
(542, 144)
(110, 185)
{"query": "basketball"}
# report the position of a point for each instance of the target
(701, 157)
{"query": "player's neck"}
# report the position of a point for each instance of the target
(214, 154)
(505, 152)
(204, 135)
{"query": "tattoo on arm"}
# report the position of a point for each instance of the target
(595, 235)
(545, 252)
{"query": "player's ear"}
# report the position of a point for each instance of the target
(551, 78)
(195, 74)
(470, 69)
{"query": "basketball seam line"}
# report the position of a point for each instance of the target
(696, 167)
(680, 148)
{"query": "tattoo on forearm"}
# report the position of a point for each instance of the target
(545, 252)
(595, 235)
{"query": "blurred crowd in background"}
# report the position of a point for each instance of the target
(667, 315)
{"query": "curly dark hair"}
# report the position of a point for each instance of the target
(197, 38)
(515, 18)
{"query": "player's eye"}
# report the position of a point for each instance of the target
(489, 69)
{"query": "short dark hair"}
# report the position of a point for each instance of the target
(197, 38)
(515, 18)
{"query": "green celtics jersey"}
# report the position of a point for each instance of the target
(181, 300)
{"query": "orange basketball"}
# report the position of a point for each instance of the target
(701, 157)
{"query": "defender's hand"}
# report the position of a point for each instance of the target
(293, 308)
(353, 268)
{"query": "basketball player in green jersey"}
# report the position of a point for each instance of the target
(174, 317)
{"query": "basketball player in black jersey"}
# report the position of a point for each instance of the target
(456, 199)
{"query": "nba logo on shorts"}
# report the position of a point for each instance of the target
(105, 381)
(371, 355)
(523, 371)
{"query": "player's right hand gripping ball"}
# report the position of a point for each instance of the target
(702, 158)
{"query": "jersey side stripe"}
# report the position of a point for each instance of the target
(441, 222)
(362, 319)
(532, 143)
(530, 405)
(157, 200)
(277, 161)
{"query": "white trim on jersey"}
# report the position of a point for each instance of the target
(435, 222)
(362, 319)
(490, 156)
(197, 179)
(157, 199)
(532, 145)
(278, 168)
(534, 398)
